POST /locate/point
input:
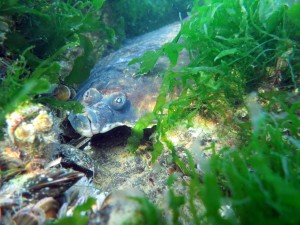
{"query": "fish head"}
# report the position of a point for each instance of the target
(102, 112)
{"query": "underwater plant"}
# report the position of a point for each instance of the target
(40, 33)
(236, 47)
(233, 46)
(256, 183)
(49, 25)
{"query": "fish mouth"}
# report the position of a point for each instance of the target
(85, 124)
(96, 119)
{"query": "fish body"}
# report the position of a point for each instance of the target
(113, 96)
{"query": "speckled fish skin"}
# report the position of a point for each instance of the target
(113, 96)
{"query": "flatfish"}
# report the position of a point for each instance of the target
(113, 95)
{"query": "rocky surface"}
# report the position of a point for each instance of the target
(33, 151)
(119, 169)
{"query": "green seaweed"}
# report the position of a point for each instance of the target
(229, 58)
(150, 214)
(233, 45)
(79, 216)
(261, 177)
(82, 64)
(38, 37)
(50, 25)
(21, 85)
(256, 183)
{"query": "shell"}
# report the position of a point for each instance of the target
(37, 214)
(10, 161)
(13, 120)
(30, 216)
(52, 182)
(43, 122)
(73, 93)
(25, 132)
(62, 92)
(49, 205)
(71, 157)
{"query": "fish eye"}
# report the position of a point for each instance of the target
(117, 100)
(92, 96)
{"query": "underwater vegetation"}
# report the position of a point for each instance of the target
(256, 183)
(235, 47)
(242, 54)
(38, 34)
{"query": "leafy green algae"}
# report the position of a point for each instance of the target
(40, 29)
(233, 46)
(40, 32)
(259, 180)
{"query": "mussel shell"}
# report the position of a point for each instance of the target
(51, 183)
(62, 92)
(49, 205)
(30, 216)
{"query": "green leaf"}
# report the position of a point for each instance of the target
(85, 206)
(76, 107)
(77, 218)
(42, 86)
(198, 69)
(293, 13)
(43, 67)
(28, 89)
(151, 214)
(8, 3)
(23, 9)
(158, 149)
(164, 90)
(270, 14)
(97, 3)
(211, 195)
(226, 53)
(172, 51)
(74, 220)
(148, 61)
(175, 202)
(138, 131)
(83, 64)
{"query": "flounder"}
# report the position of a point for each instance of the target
(113, 96)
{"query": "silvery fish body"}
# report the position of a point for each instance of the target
(113, 96)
